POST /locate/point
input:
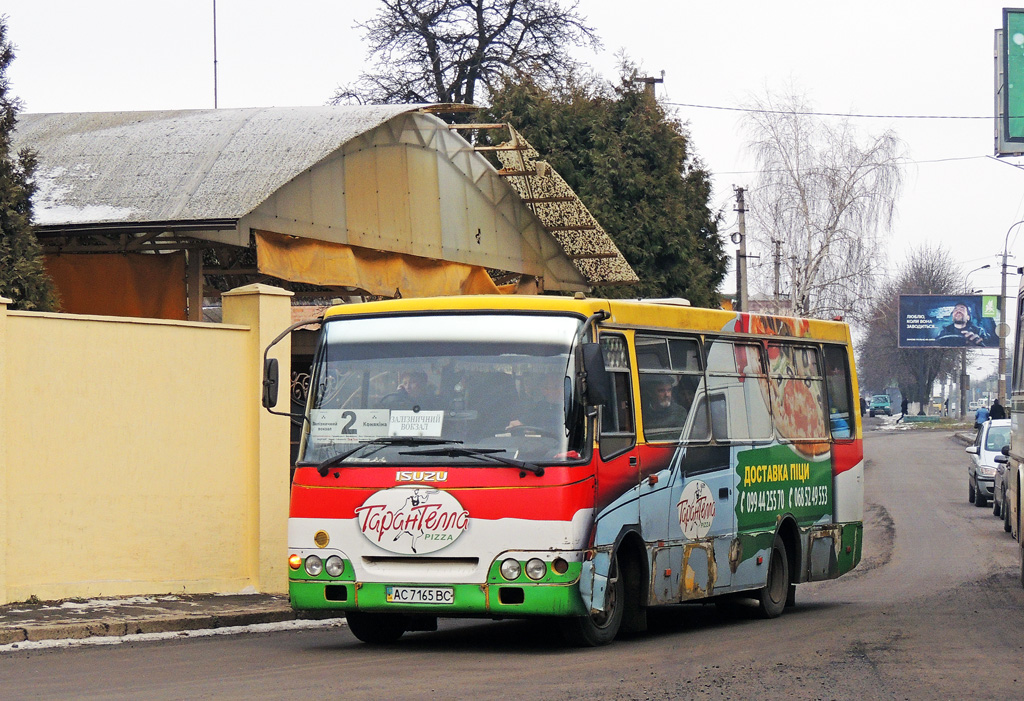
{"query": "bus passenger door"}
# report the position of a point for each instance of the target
(617, 470)
(705, 519)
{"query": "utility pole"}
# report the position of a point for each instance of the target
(1001, 387)
(214, 54)
(741, 254)
(964, 379)
(649, 81)
(777, 257)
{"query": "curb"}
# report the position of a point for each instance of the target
(157, 624)
(963, 437)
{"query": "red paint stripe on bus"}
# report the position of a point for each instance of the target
(846, 455)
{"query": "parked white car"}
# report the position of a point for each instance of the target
(981, 470)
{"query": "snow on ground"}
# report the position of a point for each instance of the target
(171, 635)
(892, 423)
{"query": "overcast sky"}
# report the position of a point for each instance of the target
(895, 57)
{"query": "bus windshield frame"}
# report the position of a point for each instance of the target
(496, 385)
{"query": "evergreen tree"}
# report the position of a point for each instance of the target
(629, 161)
(22, 276)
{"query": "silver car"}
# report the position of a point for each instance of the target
(981, 470)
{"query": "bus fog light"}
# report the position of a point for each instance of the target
(560, 566)
(510, 569)
(314, 565)
(536, 569)
(334, 565)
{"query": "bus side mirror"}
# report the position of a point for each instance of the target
(1006, 450)
(270, 378)
(597, 384)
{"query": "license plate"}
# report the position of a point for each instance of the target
(420, 595)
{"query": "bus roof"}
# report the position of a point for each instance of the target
(661, 314)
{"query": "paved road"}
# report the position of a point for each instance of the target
(935, 611)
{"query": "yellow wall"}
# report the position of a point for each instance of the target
(135, 457)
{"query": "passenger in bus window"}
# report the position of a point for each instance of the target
(542, 401)
(414, 390)
(661, 410)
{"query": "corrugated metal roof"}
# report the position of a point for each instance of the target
(187, 165)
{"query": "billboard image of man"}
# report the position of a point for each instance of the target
(948, 321)
(962, 330)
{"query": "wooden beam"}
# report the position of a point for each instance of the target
(589, 227)
(194, 285)
(502, 147)
(478, 126)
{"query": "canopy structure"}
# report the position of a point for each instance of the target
(384, 200)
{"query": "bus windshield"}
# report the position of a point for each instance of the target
(488, 385)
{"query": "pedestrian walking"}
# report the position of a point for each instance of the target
(997, 411)
(980, 416)
(903, 409)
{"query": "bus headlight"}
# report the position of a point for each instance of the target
(536, 569)
(314, 565)
(334, 565)
(511, 569)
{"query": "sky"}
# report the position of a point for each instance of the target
(929, 58)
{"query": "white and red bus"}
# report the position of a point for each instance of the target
(582, 460)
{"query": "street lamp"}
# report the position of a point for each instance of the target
(963, 352)
(1002, 319)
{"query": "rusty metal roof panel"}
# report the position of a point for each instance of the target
(180, 165)
(563, 214)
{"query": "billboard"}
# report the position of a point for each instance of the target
(1009, 85)
(948, 321)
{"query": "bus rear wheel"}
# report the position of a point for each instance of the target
(599, 628)
(772, 597)
(375, 628)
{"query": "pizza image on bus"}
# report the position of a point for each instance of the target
(798, 390)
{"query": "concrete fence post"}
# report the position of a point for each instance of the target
(266, 311)
(4, 401)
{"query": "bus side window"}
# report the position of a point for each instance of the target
(840, 398)
(670, 378)
(798, 391)
(738, 390)
(618, 433)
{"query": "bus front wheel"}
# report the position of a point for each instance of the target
(772, 597)
(375, 628)
(599, 628)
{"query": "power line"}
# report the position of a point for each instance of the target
(827, 114)
(933, 160)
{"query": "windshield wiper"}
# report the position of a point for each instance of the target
(381, 442)
(486, 453)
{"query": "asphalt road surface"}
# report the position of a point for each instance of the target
(935, 611)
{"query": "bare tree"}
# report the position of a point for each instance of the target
(823, 198)
(914, 370)
(446, 50)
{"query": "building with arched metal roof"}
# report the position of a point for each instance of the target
(147, 213)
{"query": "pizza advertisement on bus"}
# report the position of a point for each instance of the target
(798, 396)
